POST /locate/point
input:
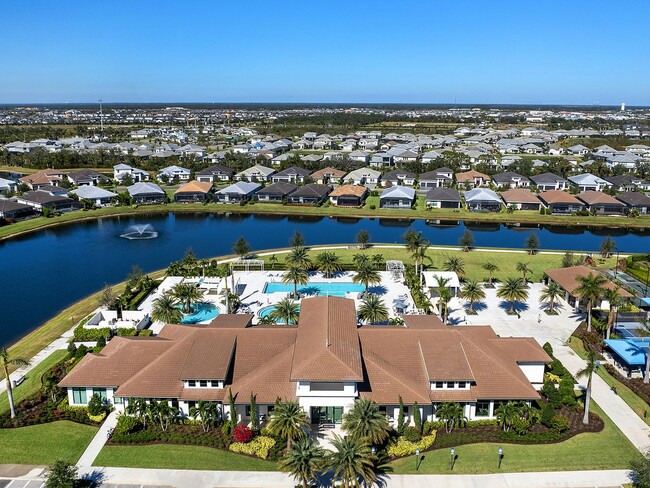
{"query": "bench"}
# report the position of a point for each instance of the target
(18, 381)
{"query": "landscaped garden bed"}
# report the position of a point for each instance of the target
(635, 384)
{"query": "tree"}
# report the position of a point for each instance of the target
(328, 262)
(401, 422)
(297, 240)
(417, 418)
(419, 256)
(567, 260)
(378, 261)
(524, 269)
(288, 421)
(414, 242)
(241, 248)
(491, 268)
(472, 291)
(107, 297)
(507, 414)
(444, 297)
(532, 243)
(232, 410)
(286, 311)
(189, 260)
(615, 301)
(362, 238)
(164, 309)
(7, 360)
(206, 412)
(351, 459)
(512, 290)
(303, 461)
(255, 418)
(466, 240)
(61, 474)
(273, 260)
(455, 264)
(366, 423)
(550, 293)
(297, 276)
(140, 409)
(360, 259)
(162, 412)
(298, 257)
(366, 275)
(452, 414)
(640, 467)
(187, 294)
(372, 309)
(590, 290)
(588, 371)
(607, 246)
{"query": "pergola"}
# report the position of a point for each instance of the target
(247, 264)
(396, 269)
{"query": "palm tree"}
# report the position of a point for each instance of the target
(288, 421)
(452, 414)
(366, 275)
(7, 360)
(297, 276)
(588, 371)
(298, 257)
(303, 461)
(524, 269)
(472, 291)
(365, 423)
(372, 309)
(187, 294)
(351, 459)
(328, 262)
(378, 261)
(273, 260)
(615, 301)
(512, 290)
(223, 272)
(419, 256)
(414, 242)
(506, 414)
(286, 311)
(139, 408)
(206, 412)
(164, 309)
(491, 268)
(591, 290)
(360, 259)
(550, 293)
(444, 297)
(297, 239)
(455, 264)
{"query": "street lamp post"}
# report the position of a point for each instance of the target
(417, 458)
(452, 459)
(500, 456)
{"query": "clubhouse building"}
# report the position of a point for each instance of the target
(325, 362)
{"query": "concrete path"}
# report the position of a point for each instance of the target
(98, 442)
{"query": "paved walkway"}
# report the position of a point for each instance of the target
(98, 442)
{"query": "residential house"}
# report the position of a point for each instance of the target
(363, 176)
(560, 202)
(280, 159)
(381, 160)
(626, 182)
(510, 179)
(143, 193)
(600, 203)
(122, 170)
(635, 200)
(99, 196)
(482, 200)
(443, 197)
(8, 186)
(310, 194)
(194, 192)
(174, 173)
(360, 156)
(405, 157)
(398, 177)
(42, 200)
(473, 179)
(577, 150)
(567, 278)
(257, 173)
(587, 182)
(549, 181)
(520, 199)
(85, 177)
(397, 197)
(242, 191)
(275, 193)
(10, 210)
(349, 196)
(215, 173)
(43, 177)
(327, 175)
(437, 178)
(291, 175)
(430, 156)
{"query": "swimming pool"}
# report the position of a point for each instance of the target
(201, 312)
(266, 311)
(337, 289)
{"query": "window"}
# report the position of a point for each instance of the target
(440, 384)
(191, 383)
(248, 411)
(203, 383)
(461, 384)
(79, 396)
(482, 409)
(190, 405)
(117, 400)
(101, 393)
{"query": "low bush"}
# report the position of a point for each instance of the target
(412, 434)
(145, 333)
(552, 394)
(404, 447)
(481, 423)
(242, 433)
(548, 412)
(96, 405)
(548, 349)
(559, 423)
(127, 424)
(81, 334)
(126, 332)
(260, 447)
(567, 393)
(531, 437)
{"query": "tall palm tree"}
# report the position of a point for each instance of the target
(365, 423)
(372, 309)
(512, 290)
(223, 272)
(328, 262)
(187, 294)
(472, 291)
(588, 371)
(360, 259)
(297, 276)
(378, 261)
(524, 269)
(550, 293)
(303, 461)
(7, 360)
(164, 309)
(286, 311)
(351, 459)
(452, 414)
(206, 412)
(366, 275)
(444, 297)
(419, 256)
(298, 257)
(507, 414)
(273, 260)
(615, 301)
(591, 290)
(288, 421)
(414, 242)
(491, 268)
(455, 264)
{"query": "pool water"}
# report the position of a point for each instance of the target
(266, 311)
(339, 289)
(201, 313)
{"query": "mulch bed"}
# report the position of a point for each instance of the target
(635, 384)
(591, 339)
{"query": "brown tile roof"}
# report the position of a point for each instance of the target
(422, 321)
(592, 197)
(355, 190)
(333, 172)
(558, 196)
(231, 320)
(567, 278)
(470, 175)
(42, 176)
(519, 195)
(195, 187)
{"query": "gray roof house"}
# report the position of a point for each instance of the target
(7, 185)
(84, 177)
(122, 170)
(587, 181)
(277, 192)
(11, 210)
(635, 199)
(549, 181)
(41, 200)
(437, 178)
(397, 197)
(291, 175)
(625, 182)
(99, 196)
(442, 197)
(399, 177)
(511, 179)
(216, 172)
(363, 176)
(482, 200)
(144, 192)
(237, 192)
(171, 172)
(310, 194)
(255, 173)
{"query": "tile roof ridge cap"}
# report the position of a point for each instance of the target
(469, 365)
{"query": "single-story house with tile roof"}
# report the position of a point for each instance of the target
(482, 200)
(363, 176)
(291, 175)
(237, 192)
(99, 196)
(11, 210)
(145, 192)
(511, 179)
(561, 202)
(277, 192)
(473, 179)
(324, 363)
(216, 172)
(327, 175)
(257, 173)
(567, 278)
(635, 199)
(442, 197)
(521, 199)
(43, 177)
(578, 150)
(41, 200)
(397, 197)
(601, 203)
(624, 182)
(398, 177)
(85, 177)
(310, 194)
(349, 195)
(193, 192)
(550, 181)
(436, 178)
(587, 182)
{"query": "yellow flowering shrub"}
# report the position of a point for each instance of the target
(405, 448)
(260, 446)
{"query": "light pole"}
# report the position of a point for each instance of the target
(374, 450)
(452, 454)
(417, 458)
(500, 456)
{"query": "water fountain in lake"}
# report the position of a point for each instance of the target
(139, 232)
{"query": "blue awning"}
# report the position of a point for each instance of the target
(633, 352)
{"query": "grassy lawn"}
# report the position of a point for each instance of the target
(634, 401)
(44, 444)
(608, 449)
(170, 456)
(32, 382)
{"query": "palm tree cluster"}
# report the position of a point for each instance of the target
(516, 415)
(161, 412)
(169, 307)
(298, 265)
(286, 311)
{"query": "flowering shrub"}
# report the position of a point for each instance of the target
(405, 448)
(242, 433)
(260, 447)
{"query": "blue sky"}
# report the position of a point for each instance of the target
(540, 52)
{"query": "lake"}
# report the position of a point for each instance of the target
(48, 270)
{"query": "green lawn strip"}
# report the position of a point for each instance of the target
(173, 456)
(45, 443)
(634, 401)
(608, 449)
(32, 383)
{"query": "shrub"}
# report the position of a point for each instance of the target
(101, 342)
(372, 206)
(99, 418)
(126, 332)
(557, 368)
(548, 348)
(530, 437)
(404, 447)
(127, 424)
(145, 333)
(552, 394)
(242, 433)
(260, 446)
(548, 412)
(481, 422)
(412, 434)
(81, 334)
(560, 423)
(431, 425)
(96, 405)
(566, 392)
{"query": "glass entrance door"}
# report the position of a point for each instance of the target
(326, 415)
